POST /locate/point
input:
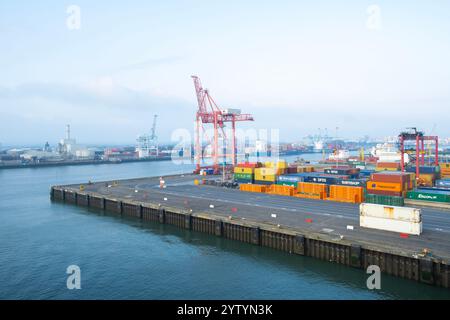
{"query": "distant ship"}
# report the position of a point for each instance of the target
(388, 152)
(341, 154)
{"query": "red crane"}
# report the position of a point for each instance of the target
(418, 136)
(209, 112)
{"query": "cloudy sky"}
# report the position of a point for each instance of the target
(363, 66)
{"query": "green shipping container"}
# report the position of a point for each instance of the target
(246, 176)
(433, 196)
(386, 200)
(287, 183)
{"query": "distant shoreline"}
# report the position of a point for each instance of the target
(79, 163)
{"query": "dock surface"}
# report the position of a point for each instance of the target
(314, 219)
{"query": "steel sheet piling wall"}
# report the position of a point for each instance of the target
(424, 270)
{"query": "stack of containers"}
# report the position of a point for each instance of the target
(390, 218)
(346, 194)
(445, 170)
(389, 183)
(244, 172)
(265, 175)
(428, 174)
(388, 166)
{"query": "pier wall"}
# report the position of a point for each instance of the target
(425, 270)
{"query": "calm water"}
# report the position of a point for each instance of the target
(125, 259)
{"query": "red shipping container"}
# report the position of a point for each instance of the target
(393, 178)
(249, 164)
(393, 165)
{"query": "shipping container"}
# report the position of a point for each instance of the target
(390, 212)
(316, 196)
(424, 169)
(282, 190)
(237, 180)
(252, 188)
(312, 188)
(345, 194)
(287, 183)
(263, 182)
(250, 165)
(248, 176)
(385, 186)
(429, 195)
(248, 170)
(324, 178)
(400, 226)
(385, 200)
(387, 193)
(443, 183)
(352, 182)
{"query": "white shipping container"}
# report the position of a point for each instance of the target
(390, 212)
(391, 225)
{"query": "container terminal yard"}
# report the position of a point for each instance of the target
(391, 210)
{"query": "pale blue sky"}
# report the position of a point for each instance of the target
(295, 65)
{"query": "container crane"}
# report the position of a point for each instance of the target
(412, 134)
(208, 112)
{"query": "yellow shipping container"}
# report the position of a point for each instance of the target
(265, 174)
(426, 179)
(281, 164)
(385, 169)
(243, 170)
(268, 164)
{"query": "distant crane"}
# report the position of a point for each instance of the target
(148, 144)
(209, 112)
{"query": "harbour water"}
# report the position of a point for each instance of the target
(127, 259)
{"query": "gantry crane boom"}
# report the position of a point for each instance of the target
(209, 112)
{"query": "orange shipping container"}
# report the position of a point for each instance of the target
(253, 187)
(282, 190)
(318, 196)
(385, 186)
(311, 188)
(346, 194)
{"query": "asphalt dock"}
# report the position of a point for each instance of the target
(321, 229)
